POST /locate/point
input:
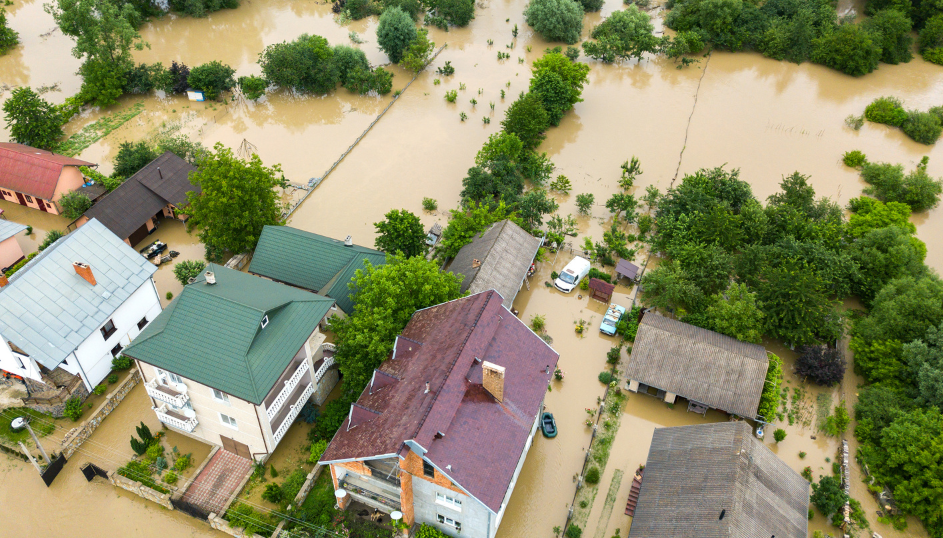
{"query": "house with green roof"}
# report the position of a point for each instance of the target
(234, 358)
(312, 262)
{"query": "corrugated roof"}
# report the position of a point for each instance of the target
(165, 180)
(31, 170)
(212, 334)
(47, 309)
(483, 439)
(498, 259)
(701, 365)
(696, 473)
(311, 261)
(9, 228)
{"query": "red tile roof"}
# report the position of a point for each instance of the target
(482, 439)
(32, 171)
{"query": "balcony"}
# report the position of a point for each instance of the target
(293, 412)
(366, 491)
(272, 409)
(175, 395)
(175, 418)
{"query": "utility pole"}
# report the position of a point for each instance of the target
(30, 456)
(21, 422)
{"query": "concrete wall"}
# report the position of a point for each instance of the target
(140, 489)
(221, 524)
(76, 436)
(10, 252)
(94, 354)
(473, 515)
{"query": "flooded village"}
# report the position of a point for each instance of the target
(348, 160)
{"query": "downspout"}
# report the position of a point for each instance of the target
(259, 421)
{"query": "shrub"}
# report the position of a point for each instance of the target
(273, 472)
(769, 399)
(428, 531)
(182, 463)
(451, 96)
(160, 464)
(74, 204)
(395, 32)
(200, 8)
(171, 478)
(584, 203)
(177, 81)
(584, 284)
(358, 9)
(51, 237)
(169, 295)
(923, 127)
(573, 532)
(305, 64)
(317, 448)
(590, 6)
(886, 110)
(293, 484)
(73, 409)
(130, 159)
(456, 12)
(605, 377)
(556, 20)
(592, 475)
(121, 363)
(8, 37)
(363, 81)
(807, 473)
(429, 204)
(538, 323)
(187, 269)
(141, 472)
(154, 451)
(596, 273)
(779, 435)
(802, 455)
(252, 86)
(212, 78)
(822, 365)
(854, 158)
(272, 493)
(101, 389)
(848, 49)
(613, 355)
(113, 378)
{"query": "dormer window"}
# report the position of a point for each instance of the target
(264, 320)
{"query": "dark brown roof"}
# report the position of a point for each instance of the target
(696, 473)
(94, 192)
(483, 439)
(32, 171)
(165, 180)
(626, 268)
(601, 286)
(700, 365)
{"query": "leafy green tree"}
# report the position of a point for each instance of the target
(887, 110)
(924, 357)
(669, 287)
(527, 119)
(584, 203)
(769, 399)
(533, 206)
(797, 304)
(187, 269)
(849, 49)
(416, 55)
(236, 201)
(31, 120)
(212, 78)
(395, 32)
(624, 205)
(891, 29)
(456, 12)
(883, 255)
(74, 204)
(879, 361)
(497, 179)
(304, 65)
(553, 93)
(931, 36)
(536, 167)
(828, 495)
(252, 86)
(501, 145)
(795, 213)
(870, 214)
(465, 224)
(923, 127)
(556, 20)
(132, 157)
(877, 407)
(347, 60)
(400, 232)
(624, 35)
(9, 38)
(888, 183)
(903, 310)
(363, 81)
(736, 313)
(385, 298)
(574, 74)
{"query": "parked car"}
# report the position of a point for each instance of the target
(154, 249)
(612, 317)
(574, 271)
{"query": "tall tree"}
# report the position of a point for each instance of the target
(736, 313)
(236, 201)
(31, 120)
(395, 32)
(400, 232)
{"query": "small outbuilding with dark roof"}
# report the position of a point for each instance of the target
(718, 481)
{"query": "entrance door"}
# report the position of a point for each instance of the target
(237, 448)
(20, 199)
(42, 206)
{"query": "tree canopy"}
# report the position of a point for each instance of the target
(32, 120)
(400, 232)
(556, 20)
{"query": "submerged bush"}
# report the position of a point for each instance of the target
(252, 86)
(200, 8)
(886, 110)
(854, 158)
(592, 475)
(923, 127)
(556, 20)
(456, 12)
(304, 65)
(212, 78)
(395, 32)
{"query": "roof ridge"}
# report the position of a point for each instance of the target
(493, 243)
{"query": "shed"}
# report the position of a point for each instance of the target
(705, 367)
(602, 290)
(626, 269)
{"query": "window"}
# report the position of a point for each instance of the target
(174, 377)
(115, 350)
(108, 329)
(142, 323)
(448, 500)
(264, 320)
(221, 396)
(428, 469)
(228, 421)
(450, 522)
(28, 199)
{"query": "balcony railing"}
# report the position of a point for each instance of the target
(361, 494)
(175, 396)
(175, 419)
(328, 362)
(293, 412)
(283, 394)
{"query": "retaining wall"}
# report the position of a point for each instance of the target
(76, 436)
(221, 524)
(140, 489)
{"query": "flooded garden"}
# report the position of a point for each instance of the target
(765, 117)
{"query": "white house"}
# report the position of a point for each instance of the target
(71, 310)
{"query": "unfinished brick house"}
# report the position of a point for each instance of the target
(442, 430)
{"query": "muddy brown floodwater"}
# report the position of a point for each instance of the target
(765, 117)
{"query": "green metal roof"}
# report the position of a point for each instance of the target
(212, 333)
(311, 261)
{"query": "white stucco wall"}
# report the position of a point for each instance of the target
(24, 367)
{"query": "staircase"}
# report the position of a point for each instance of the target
(634, 493)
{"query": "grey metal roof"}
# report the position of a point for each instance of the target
(47, 309)
(9, 228)
(504, 252)
(701, 365)
(695, 473)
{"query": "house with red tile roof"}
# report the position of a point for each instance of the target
(37, 178)
(442, 430)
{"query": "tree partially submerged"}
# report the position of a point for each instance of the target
(400, 233)
(822, 365)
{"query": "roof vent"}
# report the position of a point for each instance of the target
(427, 388)
(439, 435)
(210, 277)
(448, 467)
(722, 513)
(348, 241)
(159, 173)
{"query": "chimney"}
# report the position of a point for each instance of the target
(349, 241)
(210, 277)
(84, 271)
(492, 378)
(3, 280)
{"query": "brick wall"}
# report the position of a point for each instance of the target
(357, 467)
(406, 498)
(412, 464)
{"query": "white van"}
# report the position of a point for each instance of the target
(574, 271)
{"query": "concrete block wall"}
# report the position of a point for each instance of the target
(74, 439)
(140, 489)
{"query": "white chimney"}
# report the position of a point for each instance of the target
(210, 277)
(349, 241)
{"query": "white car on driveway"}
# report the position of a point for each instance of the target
(574, 271)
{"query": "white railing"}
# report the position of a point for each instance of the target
(293, 413)
(327, 346)
(187, 425)
(328, 362)
(283, 394)
(177, 401)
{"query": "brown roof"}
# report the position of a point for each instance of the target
(601, 286)
(482, 439)
(165, 180)
(32, 171)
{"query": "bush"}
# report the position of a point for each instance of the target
(169, 295)
(779, 435)
(273, 472)
(923, 127)
(154, 450)
(212, 78)
(429, 204)
(886, 110)
(596, 273)
(112, 379)
(101, 389)
(613, 355)
(8, 37)
(556, 20)
(121, 363)
(822, 365)
(769, 399)
(305, 64)
(252, 86)
(182, 463)
(73, 409)
(456, 12)
(573, 532)
(931, 36)
(395, 32)
(892, 32)
(293, 484)
(359, 9)
(200, 8)
(888, 183)
(171, 478)
(854, 159)
(317, 448)
(364, 81)
(272, 493)
(605, 377)
(592, 475)
(187, 269)
(538, 323)
(428, 531)
(51, 237)
(177, 81)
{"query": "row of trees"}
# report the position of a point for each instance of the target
(441, 13)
